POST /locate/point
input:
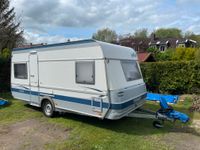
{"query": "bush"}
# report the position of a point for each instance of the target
(178, 54)
(166, 55)
(197, 56)
(5, 54)
(174, 77)
(152, 50)
(4, 75)
(184, 54)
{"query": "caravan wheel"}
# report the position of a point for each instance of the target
(48, 108)
(158, 124)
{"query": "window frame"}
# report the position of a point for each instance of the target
(137, 68)
(26, 66)
(93, 71)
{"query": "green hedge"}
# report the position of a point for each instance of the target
(174, 77)
(4, 75)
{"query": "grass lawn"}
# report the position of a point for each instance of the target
(89, 133)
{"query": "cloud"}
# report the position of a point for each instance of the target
(81, 13)
(188, 2)
(41, 16)
(36, 38)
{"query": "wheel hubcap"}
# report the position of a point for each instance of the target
(48, 109)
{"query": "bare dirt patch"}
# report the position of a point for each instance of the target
(195, 124)
(183, 141)
(186, 138)
(30, 134)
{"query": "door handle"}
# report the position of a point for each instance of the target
(32, 76)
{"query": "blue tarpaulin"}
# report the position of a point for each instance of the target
(157, 97)
(3, 102)
(171, 113)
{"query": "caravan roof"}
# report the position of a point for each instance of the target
(105, 50)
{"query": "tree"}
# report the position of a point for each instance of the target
(168, 33)
(189, 34)
(105, 35)
(141, 33)
(10, 32)
(5, 54)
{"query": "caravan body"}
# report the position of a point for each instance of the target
(86, 77)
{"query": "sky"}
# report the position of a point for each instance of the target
(54, 21)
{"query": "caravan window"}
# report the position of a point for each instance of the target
(20, 71)
(131, 70)
(85, 72)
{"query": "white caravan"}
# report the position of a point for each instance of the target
(86, 77)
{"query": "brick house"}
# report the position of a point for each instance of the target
(138, 44)
(163, 44)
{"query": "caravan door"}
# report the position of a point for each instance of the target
(34, 78)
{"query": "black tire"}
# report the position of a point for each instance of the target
(157, 124)
(48, 108)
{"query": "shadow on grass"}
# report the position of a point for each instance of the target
(33, 107)
(134, 126)
(126, 125)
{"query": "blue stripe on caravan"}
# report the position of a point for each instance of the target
(20, 91)
(122, 105)
(34, 93)
(73, 99)
(80, 100)
(58, 44)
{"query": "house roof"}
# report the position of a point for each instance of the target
(138, 44)
(142, 57)
(134, 41)
(173, 41)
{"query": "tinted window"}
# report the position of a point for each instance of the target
(20, 71)
(85, 72)
(131, 70)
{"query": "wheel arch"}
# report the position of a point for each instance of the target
(47, 98)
